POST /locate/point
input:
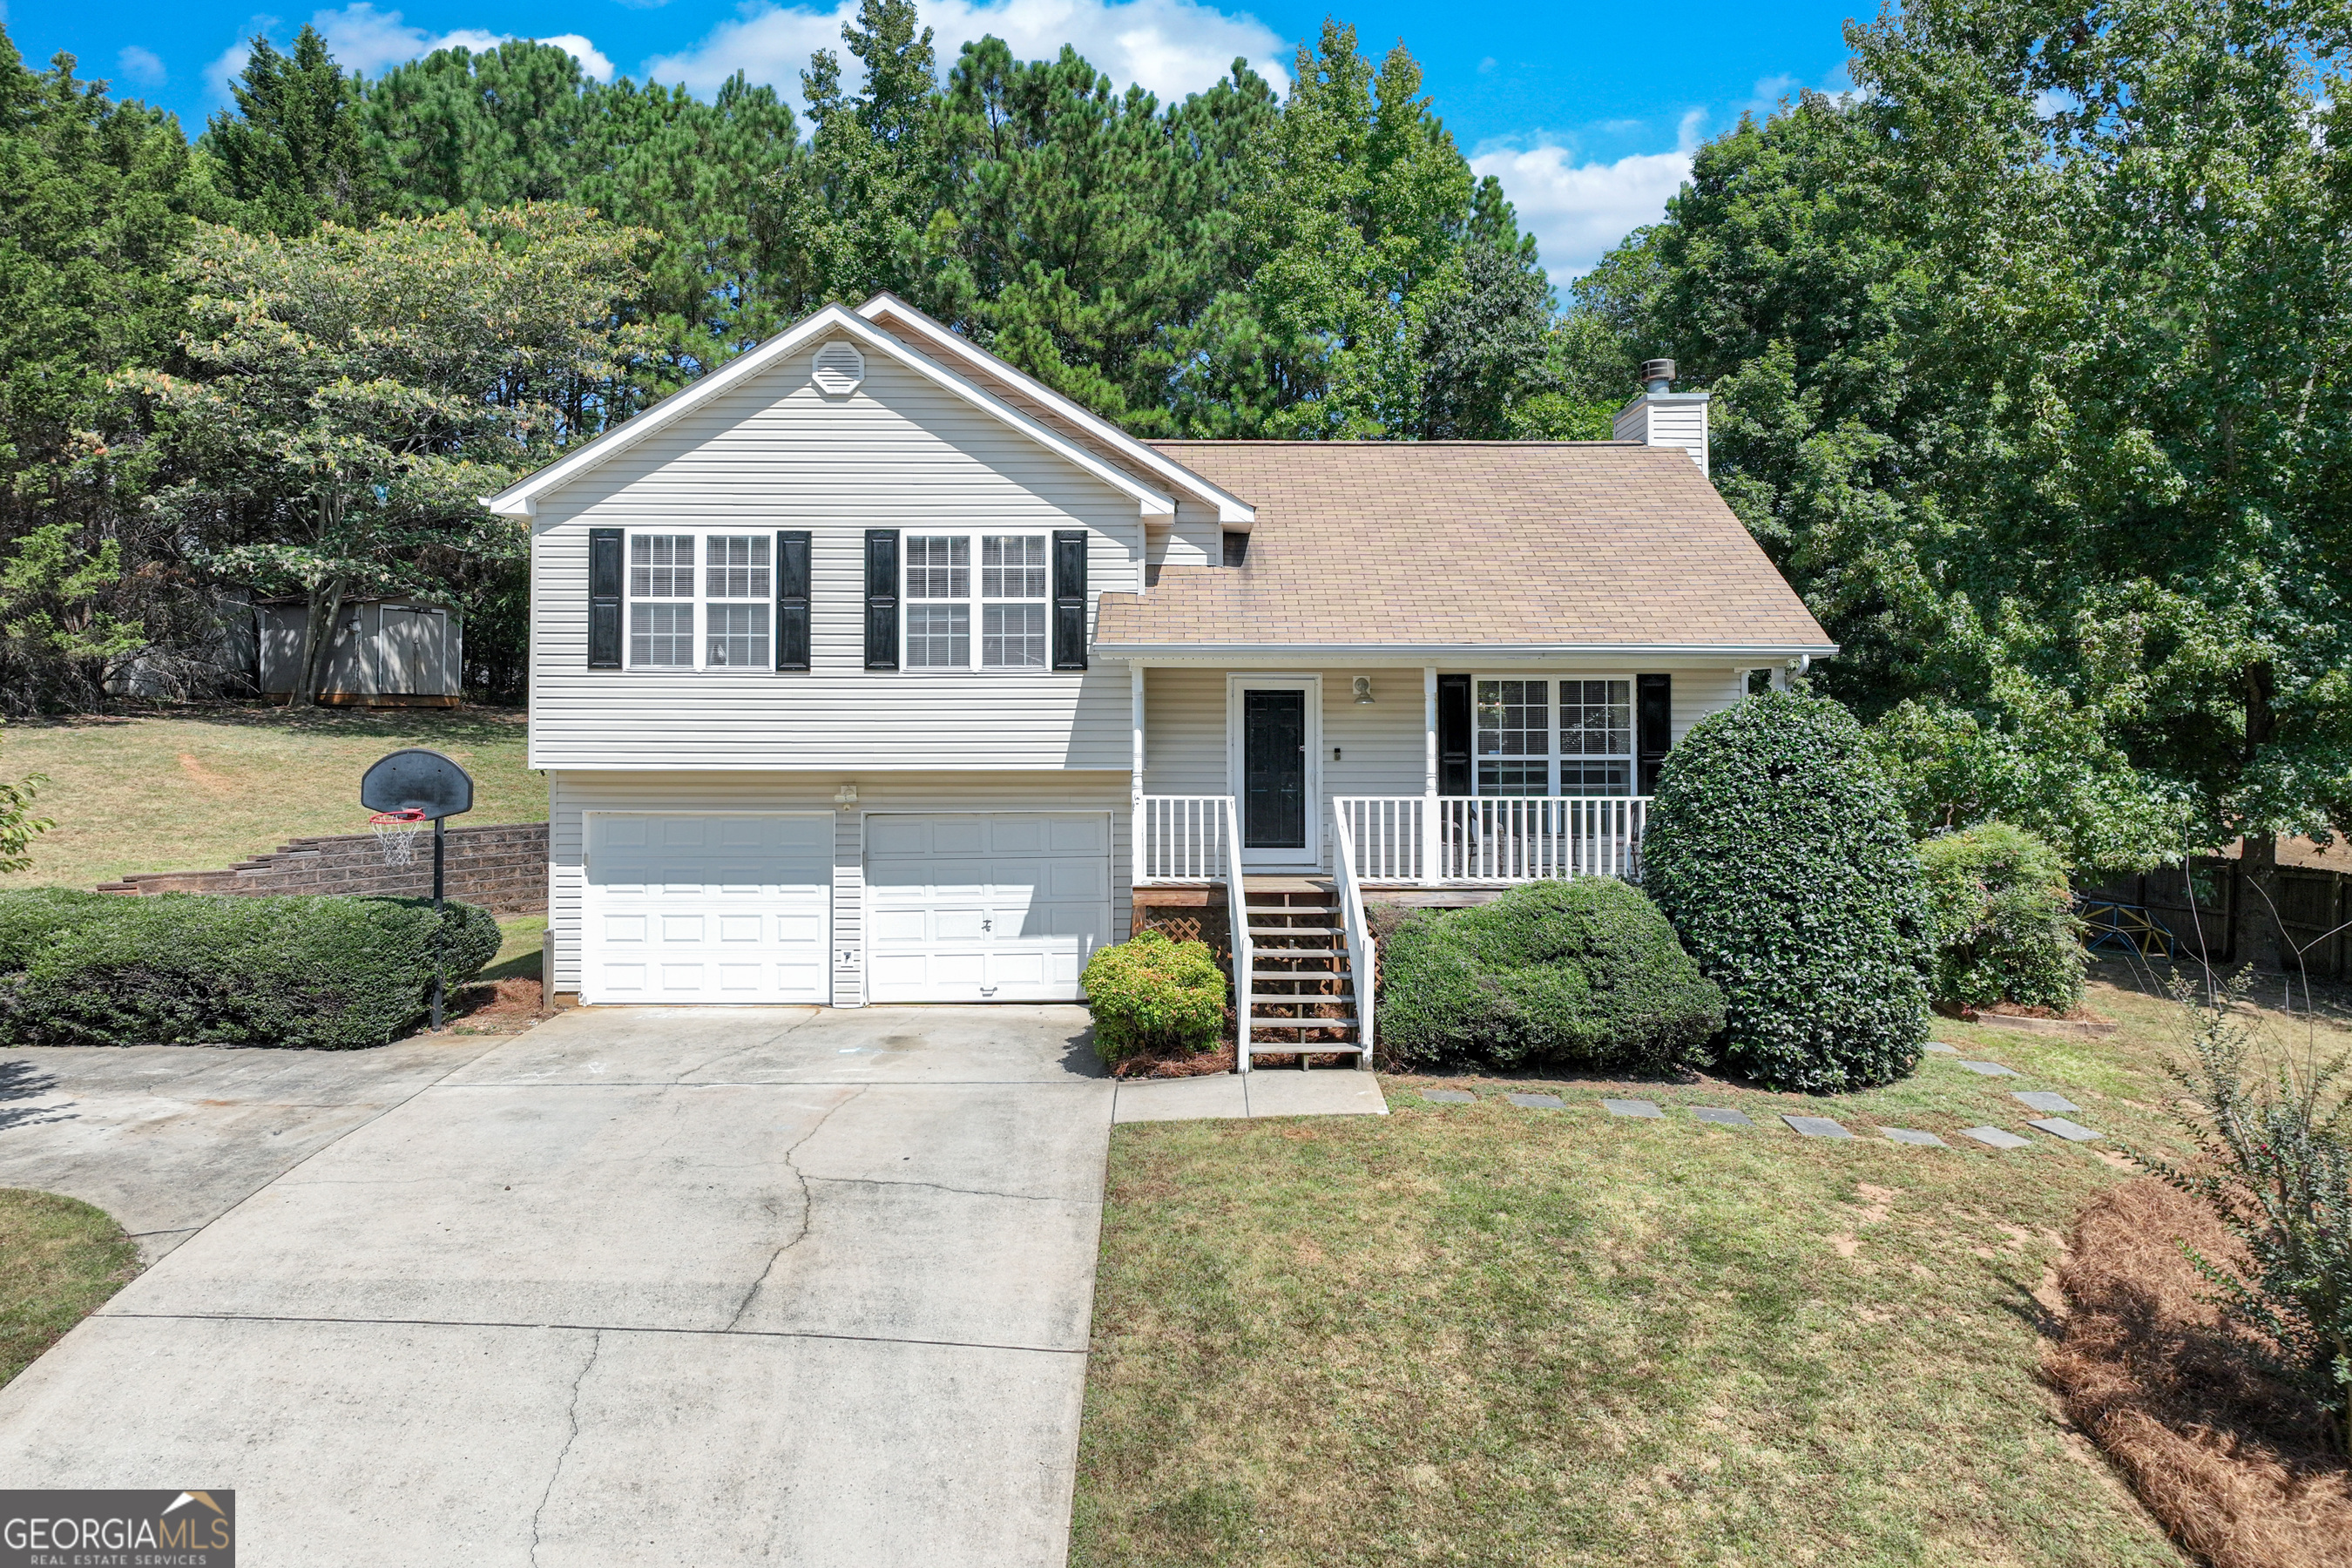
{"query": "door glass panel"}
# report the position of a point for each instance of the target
(1274, 770)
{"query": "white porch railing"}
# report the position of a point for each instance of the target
(1362, 950)
(1435, 839)
(1237, 917)
(1183, 838)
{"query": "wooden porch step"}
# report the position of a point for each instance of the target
(1304, 999)
(1294, 931)
(1302, 1023)
(1316, 974)
(1288, 911)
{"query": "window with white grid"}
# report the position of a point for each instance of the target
(1013, 590)
(1523, 746)
(1004, 595)
(1514, 737)
(736, 568)
(1596, 737)
(723, 583)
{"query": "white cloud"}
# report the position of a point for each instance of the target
(366, 40)
(1169, 47)
(144, 65)
(1576, 211)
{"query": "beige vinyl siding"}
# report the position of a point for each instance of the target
(899, 453)
(1382, 744)
(572, 792)
(1193, 537)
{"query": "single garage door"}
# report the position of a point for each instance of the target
(725, 907)
(984, 906)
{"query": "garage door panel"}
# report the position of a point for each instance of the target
(707, 907)
(985, 906)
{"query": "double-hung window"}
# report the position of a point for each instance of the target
(721, 582)
(1523, 746)
(1007, 591)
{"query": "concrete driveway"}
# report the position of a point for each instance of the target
(637, 1287)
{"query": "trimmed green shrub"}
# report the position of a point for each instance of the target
(183, 968)
(2004, 919)
(1582, 974)
(1153, 995)
(1781, 858)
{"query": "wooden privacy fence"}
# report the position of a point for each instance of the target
(2210, 908)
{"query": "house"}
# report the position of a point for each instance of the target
(869, 669)
(381, 653)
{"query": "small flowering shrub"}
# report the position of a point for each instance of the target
(1153, 996)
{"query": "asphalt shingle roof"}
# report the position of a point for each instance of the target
(1484, 542)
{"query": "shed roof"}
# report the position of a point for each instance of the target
(1526, 544)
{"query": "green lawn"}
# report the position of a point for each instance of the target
(60, 1260)
(1482, 1334)
(224, 784)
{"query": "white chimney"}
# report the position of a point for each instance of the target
(1664, 417)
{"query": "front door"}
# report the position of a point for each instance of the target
(1274, 813)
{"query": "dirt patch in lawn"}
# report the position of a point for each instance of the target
(495, 1006)
(2232, 1463)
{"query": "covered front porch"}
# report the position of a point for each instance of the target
(1307, 791)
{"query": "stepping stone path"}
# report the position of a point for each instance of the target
(1719, 1116)
(2000, 1138)
(1941, 1049)
(1552, 1102)
(1910, 1135)
(1990, 1069)
(1817, 1127)
(2059, 1126)
(1448, 1096)
(2043, 1100)
(1632, 1108)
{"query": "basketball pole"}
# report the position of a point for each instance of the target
(439, 968)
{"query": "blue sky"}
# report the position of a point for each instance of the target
(1586, 112)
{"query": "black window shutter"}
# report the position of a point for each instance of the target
(793, 600)
(604, 598)
(881, 598)
(1069, 598)
(1654, 705)
(1453, 736)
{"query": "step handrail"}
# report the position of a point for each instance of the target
(1361, 947)
(1237, 920)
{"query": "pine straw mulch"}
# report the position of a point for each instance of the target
(2231, 1463)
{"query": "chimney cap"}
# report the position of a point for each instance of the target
(1657, 370)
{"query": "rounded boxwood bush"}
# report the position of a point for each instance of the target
(180, 969)
(1781, 858)
(1151, 996)
(1582, 973)
(2004, 919)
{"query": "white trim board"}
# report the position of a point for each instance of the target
(1309, 856)
(521, 498)
(1230, 508)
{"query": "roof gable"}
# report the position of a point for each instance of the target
(521, 498)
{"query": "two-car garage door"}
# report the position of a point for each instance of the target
(718, 906)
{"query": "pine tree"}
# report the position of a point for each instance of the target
(291, 154)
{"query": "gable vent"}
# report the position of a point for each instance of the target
(839, 368)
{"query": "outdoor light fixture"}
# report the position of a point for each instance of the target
(1364, 688)
(845, 797)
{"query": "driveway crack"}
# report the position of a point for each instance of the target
(807, 1205)
(572, 1412)
(943, 1187)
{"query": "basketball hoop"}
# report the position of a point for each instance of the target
(397, 832)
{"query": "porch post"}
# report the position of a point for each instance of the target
(1429, 775)
(1135, 778)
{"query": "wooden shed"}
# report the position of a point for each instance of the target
(388, 653)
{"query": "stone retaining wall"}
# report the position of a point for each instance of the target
(500, 867)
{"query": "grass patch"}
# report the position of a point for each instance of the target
(521, 937)
(59, 1261)
(1478, 1334)
(219, 784)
